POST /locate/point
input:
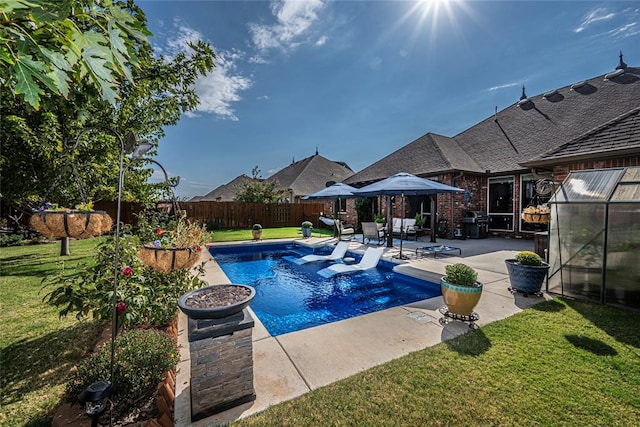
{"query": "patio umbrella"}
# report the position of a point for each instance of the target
(337, 191)
(405, 184)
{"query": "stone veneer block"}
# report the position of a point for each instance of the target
(221, 364)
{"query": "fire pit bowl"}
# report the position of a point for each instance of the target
(216, 301)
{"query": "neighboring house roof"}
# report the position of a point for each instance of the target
(519, 133)
(309, 175)
(227, 192)
(195, 199)
(616, 138)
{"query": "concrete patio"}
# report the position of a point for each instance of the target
(292, 364)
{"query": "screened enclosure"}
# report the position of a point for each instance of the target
(594, 237)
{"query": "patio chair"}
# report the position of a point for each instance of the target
(338, 252)
(369, 260)
(370, 231)
(345, 233)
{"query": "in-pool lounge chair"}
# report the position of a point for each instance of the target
(337, 253)
(369, 260)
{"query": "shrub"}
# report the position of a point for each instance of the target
(461, 274)
(141, 359)
(380, 219)
(150, 296)
(307, 224)
(528, 258)
(11, 240)
(256, 227)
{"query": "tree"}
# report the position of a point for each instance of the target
(48, 44)
(42, 158)
(260, 191)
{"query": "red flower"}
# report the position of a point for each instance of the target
(208, 246)
(198, 248)
(127, 271)
(159, 231)
(197, 233)
(121, 307)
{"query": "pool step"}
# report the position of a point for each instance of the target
(369, 294)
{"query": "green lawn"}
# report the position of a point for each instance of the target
(267, 233)
(38, 349)
(561, 362)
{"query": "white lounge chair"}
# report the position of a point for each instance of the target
(337, 253)
(369, 260)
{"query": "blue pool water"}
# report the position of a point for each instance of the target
(291, 297)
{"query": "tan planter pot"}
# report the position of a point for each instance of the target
(169, 259)
(257, 234)
(460, 300)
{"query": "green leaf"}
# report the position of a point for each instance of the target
(26, 84)
(60, 79)
(56, 58)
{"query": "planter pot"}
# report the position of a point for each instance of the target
(460, 300)
(169, 259)
(76, 224)
(216, 301)
(526, 278)
(257, 235)
(306, 232)
(540, 218)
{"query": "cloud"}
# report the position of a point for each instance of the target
(504, 86)
(294, 19)
(628, 30)
(595, 15)
(263, 97)
(218, 90)
(322, 40)
(257, 59)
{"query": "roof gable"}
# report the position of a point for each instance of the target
(311, 174)
(227, 192)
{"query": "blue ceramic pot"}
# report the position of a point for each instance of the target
(526, 278)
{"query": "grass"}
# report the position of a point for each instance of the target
(267, 234)
(560, 363)
(38, 349)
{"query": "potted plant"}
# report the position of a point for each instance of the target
(527, 272)
(461, 291)
(256, 231)
(540, 214)
(379, 220)
(55, 221)
(307, 228)
(419, 221)
(175, 249)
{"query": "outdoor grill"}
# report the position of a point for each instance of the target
(476, 224)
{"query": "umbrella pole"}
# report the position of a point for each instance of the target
(400, 256)
(337, 220)
(389, 224)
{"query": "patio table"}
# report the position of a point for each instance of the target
(435, 250)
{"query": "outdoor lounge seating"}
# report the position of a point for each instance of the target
(408, 224)
(345, 233)
(435, 250)
(370, 231)
(338, 252)
(369, 260)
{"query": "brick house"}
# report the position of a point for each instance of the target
(588, 124)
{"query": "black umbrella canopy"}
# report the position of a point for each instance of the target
(407, 184)
(335, 191)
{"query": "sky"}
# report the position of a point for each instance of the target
(360, 79)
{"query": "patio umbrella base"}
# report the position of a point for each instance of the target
(399, 256)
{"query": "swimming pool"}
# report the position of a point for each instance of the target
(291, 297)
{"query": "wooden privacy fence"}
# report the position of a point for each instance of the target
(223, 215)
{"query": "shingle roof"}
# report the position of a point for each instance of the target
(227, 192)
(617, 137)
(521, 132)
(431, 152)
(311, 174)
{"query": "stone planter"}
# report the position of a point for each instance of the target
(526, 279)
(220, 348)
(216, 301)
(256, 234)
(460, 300)
(306, 232)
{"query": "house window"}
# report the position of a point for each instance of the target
(500, 205)
(341, 205)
